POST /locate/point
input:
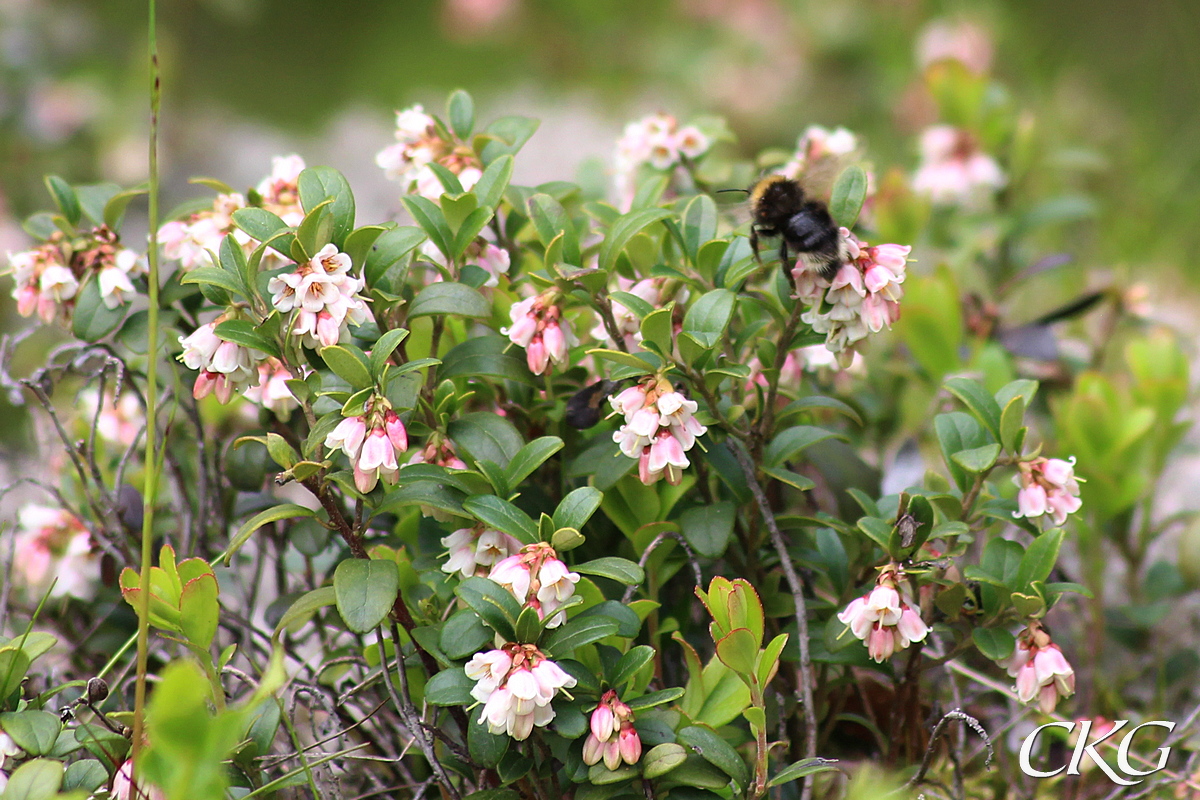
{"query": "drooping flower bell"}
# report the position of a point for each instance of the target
(1042, 671)
(885, 618)
(611, 736)
(539, 327)
(1048, 486)
(660, 427)
(537, 578)
(371, 441)
(516, 683)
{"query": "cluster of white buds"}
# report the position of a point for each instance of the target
(473, 551)
(657, 140)
(419, 144)
(195, 241)
(516, 684)
(612, 737)
(1048, 486)
(324, 296)
(862, 298)
(53, 546)
(1041, 670)
(371, 441)
(538, 579)
(885, 617)
(223, 365)
(43, 282)
(953, 170)
(539, 327)
(660, 427)
(272, 392)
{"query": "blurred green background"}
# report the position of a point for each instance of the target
(1114, 84)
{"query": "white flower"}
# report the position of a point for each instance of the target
(516, 685)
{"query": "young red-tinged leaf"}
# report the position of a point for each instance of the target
(738, 651)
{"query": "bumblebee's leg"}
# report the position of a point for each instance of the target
(786, 266)
(754, 244)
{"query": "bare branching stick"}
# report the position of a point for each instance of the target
(662, 537)
(796, 587)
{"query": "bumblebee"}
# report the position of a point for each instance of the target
(586, 406)
(779, 207)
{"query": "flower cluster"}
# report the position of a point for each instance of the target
(884, 618)
(655, 291)
(516, 684)
(224, 366)
(862, 298)
(612, 736)
(324, 296)
(1048, 486)
(659, 141)
(659, 429)
(371, 441)
(820, 149)
(537, 578)
(953, 169)
(195, 241)
(122, 786)
(419, 144)
(272, 392)
(47, 279)
(955, 40)
(473, 551)
(1041, 670)
(439, 450)
(53, 546)
(538, 326)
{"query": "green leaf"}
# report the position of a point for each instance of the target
(304, 607)
(624, 229)
(464, 634)
(65, 198)
(508, 135)
(657, 329)
(630, 664)
(114, 209)
(486, 436)
(849, 193)
(382, 350)
(578, 632)
(737, 650)
(1012, 425)
(957, 432)
(995, 643)
(93, 320)
(273, 514)
(366, 590)
(493, 603)
(450, 687)
(461, 110)
(822, 403)
(264, 226)
(94, 197)
(318, 184)
(14, 663)
(350, 364)
(199, 610)
(87, 774)
(621, 570)
(35, 732)
(1039, 559)
(530, 457)
(488, 356)
(708, 317)
(793, 479)
(388, 250)
(791, 441)
(212, 276)
(503, 516)
(802, 769)
(661, 759)
(709, 528)
(638, 362)
(636, 305)
(445, 297)
(976, 398)
(429, 216)
(469, 228)
(977, 459)
(628, 621)
(577, 507)
(550, 219)
(491, 185)
(39, 779)
(655, 698)
(716, 751)
(699, 225)
(486, 749)
(877, 530)
(242, 331)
